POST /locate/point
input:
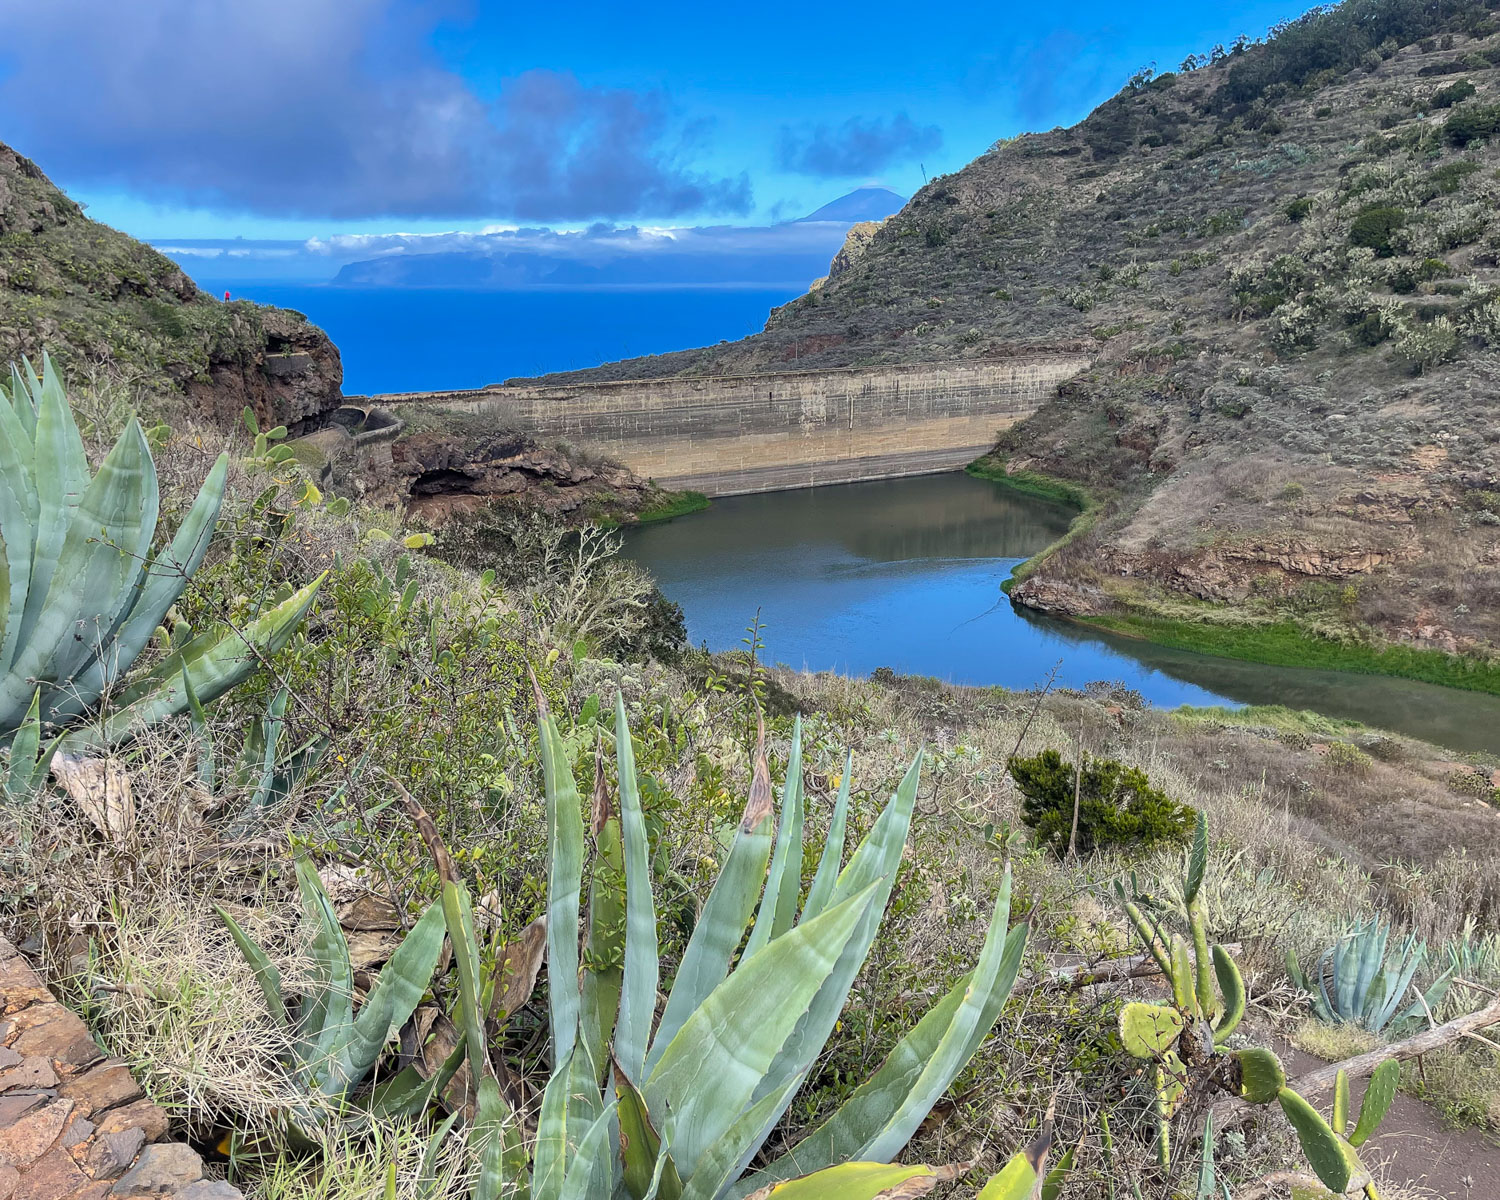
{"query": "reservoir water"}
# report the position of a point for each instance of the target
(906, 574)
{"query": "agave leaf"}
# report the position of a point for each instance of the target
(778, 907)
(395, 996)
(724, 1158)
(995, 972)
(327, 1015)
(549, 1160)
(266, 973)
(875, 862)
(61, 476)
(160, 586)
(407, 1093)
(564, 884)
(88, 576)
(502, 1162)
(590, 1155)
(270, 741)
(646, 1163)
(730, 904)
(859, 1181)
(602, 975)
(15, 561)
(642, 968)
(1018, 1178)
(214, 664)
(1206, 1187)
(874, 1107)
(833, 846)
(208, 772)
(709, 1071)
(1379, 1093)
(1052, 1182)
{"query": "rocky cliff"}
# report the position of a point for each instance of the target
(103, 303)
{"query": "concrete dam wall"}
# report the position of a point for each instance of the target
(755, 433)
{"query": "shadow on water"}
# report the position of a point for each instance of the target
(906, 574)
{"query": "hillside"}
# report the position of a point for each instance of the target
(98, 300)
(1286, 259)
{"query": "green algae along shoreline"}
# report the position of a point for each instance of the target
(1281, 643)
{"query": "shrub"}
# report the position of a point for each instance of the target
(1447, 97)
(1472, 124)
(1423, 346)
(1348, 759)
(1297, 209)
(1117, 806)
(1374, 227)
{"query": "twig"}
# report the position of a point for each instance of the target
(1231, 1111)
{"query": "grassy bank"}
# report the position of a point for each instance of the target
(1284, 644)
(1046, 487)
(674, 504)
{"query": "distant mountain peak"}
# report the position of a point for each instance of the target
(862, 204)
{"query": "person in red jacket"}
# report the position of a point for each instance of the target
(226, 296)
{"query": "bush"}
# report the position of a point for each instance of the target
(1423, 346)
(1472, 124)
(1297, 209)
(1117, 806)
(1375, 227)
(1447, 97)
(1348, 759)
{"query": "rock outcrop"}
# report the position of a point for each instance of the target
(102, 303)
(856, 242)
(73, 1123)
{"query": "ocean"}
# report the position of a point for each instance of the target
(421, 339)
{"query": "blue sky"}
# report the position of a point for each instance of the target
(301, 118)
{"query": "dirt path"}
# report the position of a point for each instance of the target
(1456, 1164)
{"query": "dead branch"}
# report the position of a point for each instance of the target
(1136, 966)
(1228, 1112)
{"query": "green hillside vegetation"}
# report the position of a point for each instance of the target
(112, 309)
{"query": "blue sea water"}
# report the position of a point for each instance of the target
(430, 339)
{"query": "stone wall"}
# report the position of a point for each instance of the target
(73, 1123)
(767, 432)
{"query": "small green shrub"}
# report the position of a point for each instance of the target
(1298, 209)
(1375, 227)
(1472, 124)
(1447, 178)
(1117, 806)
(1348, 759)
(1447, 97)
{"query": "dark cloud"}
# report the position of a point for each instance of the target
(859, 146)
(329, 108)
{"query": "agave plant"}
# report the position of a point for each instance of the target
(677, 1107)
(334, 1048)
(83, 592)
(262, 771)
(1357, 982)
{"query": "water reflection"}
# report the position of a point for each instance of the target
(906, 574)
